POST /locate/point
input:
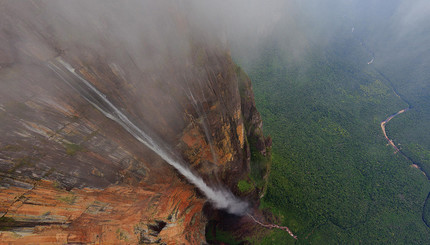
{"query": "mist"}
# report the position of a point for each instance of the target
(155, 28)
(144, 56)
(394, 30)
(219, 197)
(141, 40)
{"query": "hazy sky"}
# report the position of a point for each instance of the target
(247, 22)
(152, 32)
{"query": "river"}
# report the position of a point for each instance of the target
(414, 164)
(384, 123)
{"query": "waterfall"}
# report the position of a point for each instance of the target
(219, 197)
(203, 116)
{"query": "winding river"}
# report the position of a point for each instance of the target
(384, 123)
(391, 142)
(385, 133)
(397, 150)
(414, 164)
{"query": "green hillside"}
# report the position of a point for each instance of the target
(334, 180)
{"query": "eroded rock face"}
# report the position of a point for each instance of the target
(44, 213)
(68, 174)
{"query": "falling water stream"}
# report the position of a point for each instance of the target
(220, 198)
(203, 116)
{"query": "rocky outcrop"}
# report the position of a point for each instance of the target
(119, 214)
(68, 174)
(258, 146)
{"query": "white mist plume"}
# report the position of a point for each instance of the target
(220, 198)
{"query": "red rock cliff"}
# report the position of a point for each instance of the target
(68, 174)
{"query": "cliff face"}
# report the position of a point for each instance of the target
(68, 174)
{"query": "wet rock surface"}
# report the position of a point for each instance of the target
(68, 174)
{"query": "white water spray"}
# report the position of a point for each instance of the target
(203, 117)
(220, 198)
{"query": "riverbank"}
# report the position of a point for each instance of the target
(414, 164)
(383, 123)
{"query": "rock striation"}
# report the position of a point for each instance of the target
(68, 174)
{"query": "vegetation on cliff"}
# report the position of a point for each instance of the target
(86, 109)
(259, 145)
(334, 179)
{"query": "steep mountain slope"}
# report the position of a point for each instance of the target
(68, 173)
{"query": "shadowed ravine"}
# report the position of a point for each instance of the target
(220, 198)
